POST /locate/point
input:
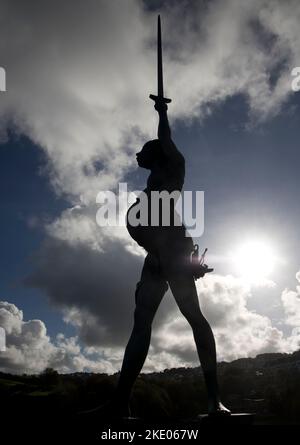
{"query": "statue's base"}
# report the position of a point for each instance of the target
(232, 419)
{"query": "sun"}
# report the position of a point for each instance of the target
(254, 261)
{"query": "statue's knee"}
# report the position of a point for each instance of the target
(199, 324)
(152, 289)
(195, 318)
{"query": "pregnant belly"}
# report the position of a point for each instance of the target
(141, 234)
(153, 237)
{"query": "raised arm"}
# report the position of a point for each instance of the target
(164, 133)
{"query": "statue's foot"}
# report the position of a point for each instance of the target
(112, 409)
(218, 409)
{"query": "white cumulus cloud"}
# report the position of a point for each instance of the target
(30, 350)
(291, 304)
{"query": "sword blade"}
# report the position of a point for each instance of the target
(160, 84)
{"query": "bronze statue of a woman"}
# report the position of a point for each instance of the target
(167, 264)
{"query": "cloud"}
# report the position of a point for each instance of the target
(100, 285)
(102, 313)
(79, 75)
(76, 79)
(102, 336)
(239, 331)
(29, 348)
(82, 95)
(291, 304)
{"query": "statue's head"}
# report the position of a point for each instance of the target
(151, 155)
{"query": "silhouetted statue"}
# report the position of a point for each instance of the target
(168, 262)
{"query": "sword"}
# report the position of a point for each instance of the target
(160, 83)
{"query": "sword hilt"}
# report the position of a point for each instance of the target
(158, 98)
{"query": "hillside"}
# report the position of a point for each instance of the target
(268, 385)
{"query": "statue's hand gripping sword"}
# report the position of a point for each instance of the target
(160, 85)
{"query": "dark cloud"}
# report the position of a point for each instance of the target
(100, 284)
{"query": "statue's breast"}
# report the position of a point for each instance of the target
(169, 178)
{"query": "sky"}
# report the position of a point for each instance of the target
(76, 111)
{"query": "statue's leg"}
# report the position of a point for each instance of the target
(149, 293)
(183, 287)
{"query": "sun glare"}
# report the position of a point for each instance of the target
(255, 261)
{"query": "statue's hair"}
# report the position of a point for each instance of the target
(154, 146)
